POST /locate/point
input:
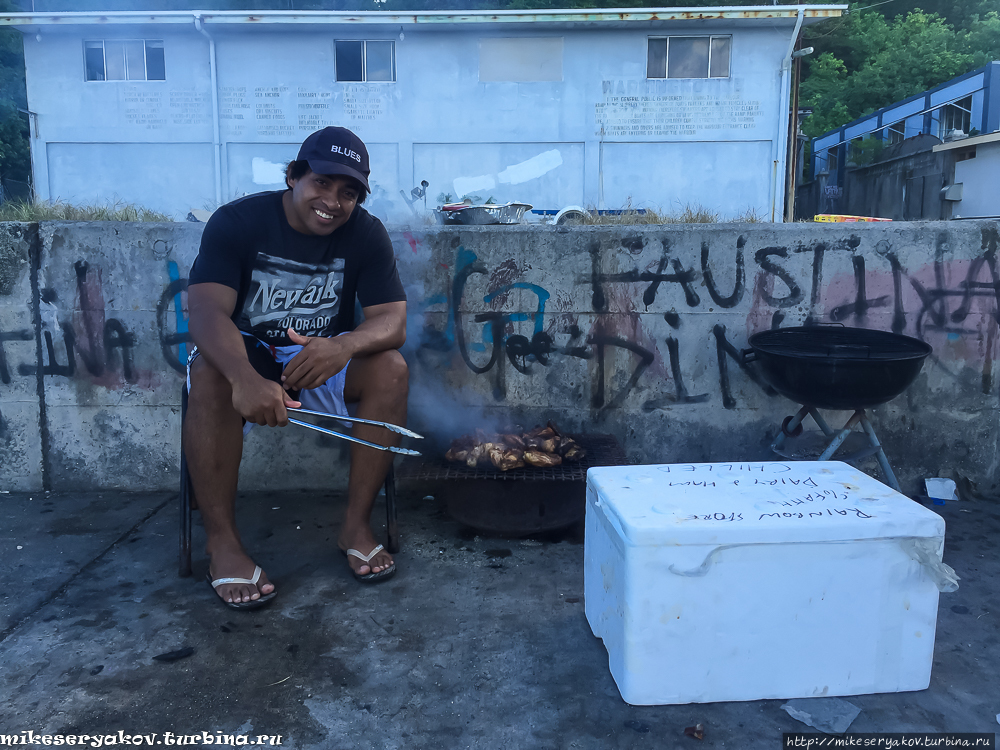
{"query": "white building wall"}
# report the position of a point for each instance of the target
(980, 180)
(603, 136)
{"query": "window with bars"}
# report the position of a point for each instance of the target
(896, 133)
(688, 57)
(124, 60)
(360, 60)
(956, 118)
(832, 159)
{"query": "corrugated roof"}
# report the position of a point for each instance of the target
(595, 17)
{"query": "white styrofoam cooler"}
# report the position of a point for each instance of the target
(743, 581)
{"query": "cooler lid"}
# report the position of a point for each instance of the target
(747, 502)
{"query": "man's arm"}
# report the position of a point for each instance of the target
(384, 328)
(220, 342)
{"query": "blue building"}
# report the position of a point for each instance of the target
(968, 105)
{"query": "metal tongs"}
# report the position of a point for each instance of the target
(391, 427)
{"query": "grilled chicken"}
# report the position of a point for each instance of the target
(542, 446)
(537, 458)
(506, 459)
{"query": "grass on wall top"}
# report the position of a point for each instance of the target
(60, 211)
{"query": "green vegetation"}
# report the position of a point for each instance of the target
(865, 60)
(59, 211)
(866, 151)
(15, 163)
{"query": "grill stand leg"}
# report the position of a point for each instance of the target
(789, 429)
(841, 436)
(858, 418)
(883, 462)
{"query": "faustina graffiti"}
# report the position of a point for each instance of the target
(878, 283)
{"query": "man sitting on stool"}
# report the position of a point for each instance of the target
(271, 301)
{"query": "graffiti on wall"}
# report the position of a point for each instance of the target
(628, 332)
(492, 341)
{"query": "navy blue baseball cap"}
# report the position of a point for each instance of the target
(334, 150)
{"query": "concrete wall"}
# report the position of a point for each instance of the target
(598, 134)
(630, 330)
(906, 188)
(905, 184)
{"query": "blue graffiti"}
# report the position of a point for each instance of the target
(182, 324)
(538, 316)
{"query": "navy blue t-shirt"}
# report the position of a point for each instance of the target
(284, 278)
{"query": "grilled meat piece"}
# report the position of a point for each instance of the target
(537, 458)
(456, 454)
(513, 441)
(506, 459)
(541, 443)
(569, 448)
(541, 446)
(473, 457)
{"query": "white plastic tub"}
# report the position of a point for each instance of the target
(744, 581)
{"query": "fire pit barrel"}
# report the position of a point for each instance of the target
(520, 502)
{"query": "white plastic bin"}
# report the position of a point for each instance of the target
(743, 581)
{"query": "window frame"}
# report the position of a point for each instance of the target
(833, 159)
(896, 132)
(952, 111)
(364, 59)
(666, 57)
(104, 60)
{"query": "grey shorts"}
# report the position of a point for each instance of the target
(269, 362)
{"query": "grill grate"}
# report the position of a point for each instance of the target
(602, 450)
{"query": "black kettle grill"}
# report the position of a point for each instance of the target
(837, 368)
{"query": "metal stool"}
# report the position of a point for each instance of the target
(187, 504)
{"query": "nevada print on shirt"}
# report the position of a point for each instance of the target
(286, 294)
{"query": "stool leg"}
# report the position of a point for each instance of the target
(185, 494)
(392, 530)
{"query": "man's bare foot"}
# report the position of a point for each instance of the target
(230, 563)
(363, 541)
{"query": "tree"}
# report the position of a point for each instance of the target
(15, 163)
(867, 62)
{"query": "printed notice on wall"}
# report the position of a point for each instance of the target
(188, 107)
(361, 104)
(656, 109)
(313, 108)
(234, 109)
(144, 108)
(270, 106)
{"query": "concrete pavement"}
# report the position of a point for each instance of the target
(476, 643)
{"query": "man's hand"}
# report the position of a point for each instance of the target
(262, 401)
(320, 359)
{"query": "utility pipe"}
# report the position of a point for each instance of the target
(781, 140)
(216, 134)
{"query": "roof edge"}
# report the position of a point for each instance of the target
(596, 15)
